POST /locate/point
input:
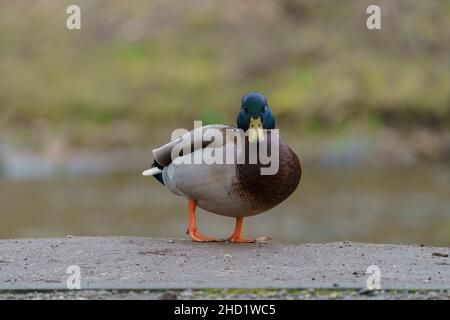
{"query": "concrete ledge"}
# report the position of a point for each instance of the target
(147, 263)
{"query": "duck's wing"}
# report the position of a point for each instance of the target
(189, 142)
(206, 176)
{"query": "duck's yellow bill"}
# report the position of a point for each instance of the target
(255, 130)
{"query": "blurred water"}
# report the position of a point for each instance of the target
(400, 205)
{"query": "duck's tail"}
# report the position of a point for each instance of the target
(152, 171)
(156, 171)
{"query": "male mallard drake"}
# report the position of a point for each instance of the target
(237, 188)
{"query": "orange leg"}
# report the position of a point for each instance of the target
(236, 237)
(192, 228)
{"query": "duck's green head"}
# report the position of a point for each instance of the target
(256, 115)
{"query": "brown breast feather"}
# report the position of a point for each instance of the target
(264, 192)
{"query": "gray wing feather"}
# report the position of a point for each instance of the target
(191, 141)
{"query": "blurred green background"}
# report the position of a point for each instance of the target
(367, 111)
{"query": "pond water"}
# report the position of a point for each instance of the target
(396, 205)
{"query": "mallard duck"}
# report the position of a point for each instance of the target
(237, 189)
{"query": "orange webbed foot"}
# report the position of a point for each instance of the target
(192, 228)
(198, 237)
(235, 239)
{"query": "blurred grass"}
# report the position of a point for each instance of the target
(142, 65)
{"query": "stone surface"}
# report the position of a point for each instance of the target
(147, 263)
